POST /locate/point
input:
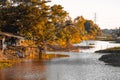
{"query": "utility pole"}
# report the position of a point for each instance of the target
(95, 18)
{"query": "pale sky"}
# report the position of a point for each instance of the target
(107, 11)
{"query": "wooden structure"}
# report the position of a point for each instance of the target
(4, 35)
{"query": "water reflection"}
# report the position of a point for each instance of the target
(79, 66)
(28, 70)
(98, 45)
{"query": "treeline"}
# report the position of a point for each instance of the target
(45, 24)
(115, 31)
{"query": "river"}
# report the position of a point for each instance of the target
(83, 65)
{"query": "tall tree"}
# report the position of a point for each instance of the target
(28, 20)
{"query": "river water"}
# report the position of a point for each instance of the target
(83, 65)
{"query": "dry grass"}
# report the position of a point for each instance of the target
(51, 56)
(110, 50)
(6, 63)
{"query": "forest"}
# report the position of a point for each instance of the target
(44, 24)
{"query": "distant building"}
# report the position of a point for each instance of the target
(118, 39)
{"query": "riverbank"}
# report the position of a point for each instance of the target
(8, 63)
(109, 50)
(51, 56)
(112, 57)
(5, 63)
(69, 48)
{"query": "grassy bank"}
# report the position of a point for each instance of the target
(51, 56)
(113, 58)
(110, 50)
(69, 48)
(10, 56)
(6, 63)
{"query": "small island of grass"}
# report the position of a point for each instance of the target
(113, 56)
(110, 50)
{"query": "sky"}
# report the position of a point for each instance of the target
(107, 11)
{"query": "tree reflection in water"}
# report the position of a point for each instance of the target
(28, 70)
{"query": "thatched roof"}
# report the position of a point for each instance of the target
(10, 35)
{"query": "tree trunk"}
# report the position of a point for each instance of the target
(40, 52)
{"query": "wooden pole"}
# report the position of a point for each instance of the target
(3, 44)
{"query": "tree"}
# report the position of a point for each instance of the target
(58, 17)
(91, 28)
(44, 24)
(30, 21)
(34, 20)
(79, 23)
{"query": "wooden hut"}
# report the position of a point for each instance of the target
(26, 47)
(4, 36)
